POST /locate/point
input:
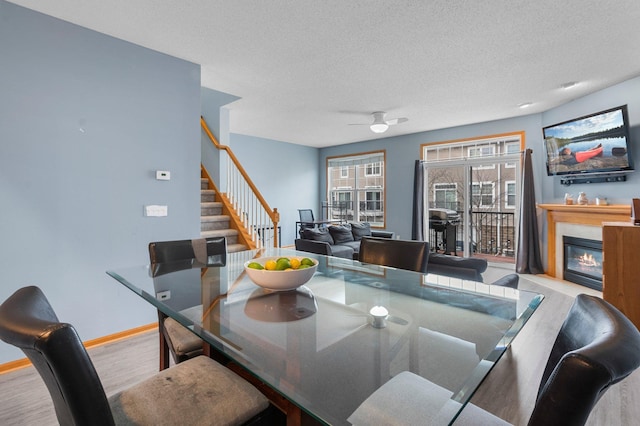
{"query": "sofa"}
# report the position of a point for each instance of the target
(344, 241)
(338, 240)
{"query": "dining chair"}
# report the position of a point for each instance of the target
(401, 254)
(596, 347)
(165, 256)
(197, 389)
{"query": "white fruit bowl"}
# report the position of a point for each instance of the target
(280, 280)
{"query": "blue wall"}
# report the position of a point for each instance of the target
(217, 118)
(285, 174)
(85, 120)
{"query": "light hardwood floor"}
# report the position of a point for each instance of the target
(509, 391)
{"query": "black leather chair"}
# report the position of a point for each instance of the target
(596, 347)
(215, 393)
(165, 257)
(401, 254)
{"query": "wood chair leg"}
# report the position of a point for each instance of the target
(164, 346)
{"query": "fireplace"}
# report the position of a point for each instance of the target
(583, 261)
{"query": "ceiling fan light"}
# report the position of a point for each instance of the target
(379, 127)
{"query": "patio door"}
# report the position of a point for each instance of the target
(479, 180)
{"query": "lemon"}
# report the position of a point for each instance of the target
(282, 264)
(307, 261)
(270, 265)
(295, 263)
(255, 265)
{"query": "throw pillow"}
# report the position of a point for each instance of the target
(341, 233)
(360, 230)
(317, 234)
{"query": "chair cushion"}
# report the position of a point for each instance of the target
(361, 229)
(182, 339)
(343, 251)
(409, 399)
(317, 234)
(341, 233)
(197, 391)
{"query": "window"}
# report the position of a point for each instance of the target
(372, 169)
(363, 175)
(456, 173)
(482, 151)
(371, 206)
(372, 201)
(510, 194)
(446, 195)
(483, 194)
(511, 148)
(342, 199)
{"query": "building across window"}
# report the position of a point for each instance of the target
(483, 194)
(358, 194)
(372, 169)
(445, 196)
(510, 191)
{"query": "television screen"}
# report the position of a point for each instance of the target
(596, 143)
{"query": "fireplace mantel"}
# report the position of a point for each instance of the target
(590, 215)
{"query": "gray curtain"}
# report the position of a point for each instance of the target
(528, 260)
(417, 228)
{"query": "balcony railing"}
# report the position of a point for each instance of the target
(492, 233)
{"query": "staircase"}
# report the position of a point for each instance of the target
(212, 222)
(236, 211)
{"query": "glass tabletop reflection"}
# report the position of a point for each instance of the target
(332, 342)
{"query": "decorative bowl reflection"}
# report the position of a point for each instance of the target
(280, 280)
(280, 306)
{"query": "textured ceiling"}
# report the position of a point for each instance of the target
(305, 70)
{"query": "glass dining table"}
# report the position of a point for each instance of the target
(327, 346)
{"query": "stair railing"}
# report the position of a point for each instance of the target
(258, 219)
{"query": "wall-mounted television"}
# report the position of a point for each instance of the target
(594, 144)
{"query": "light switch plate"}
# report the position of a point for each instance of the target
(156, 211)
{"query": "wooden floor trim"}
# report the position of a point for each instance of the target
(24, 362)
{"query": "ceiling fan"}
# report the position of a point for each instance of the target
(380, 125)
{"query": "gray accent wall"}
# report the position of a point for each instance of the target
(85, 121)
